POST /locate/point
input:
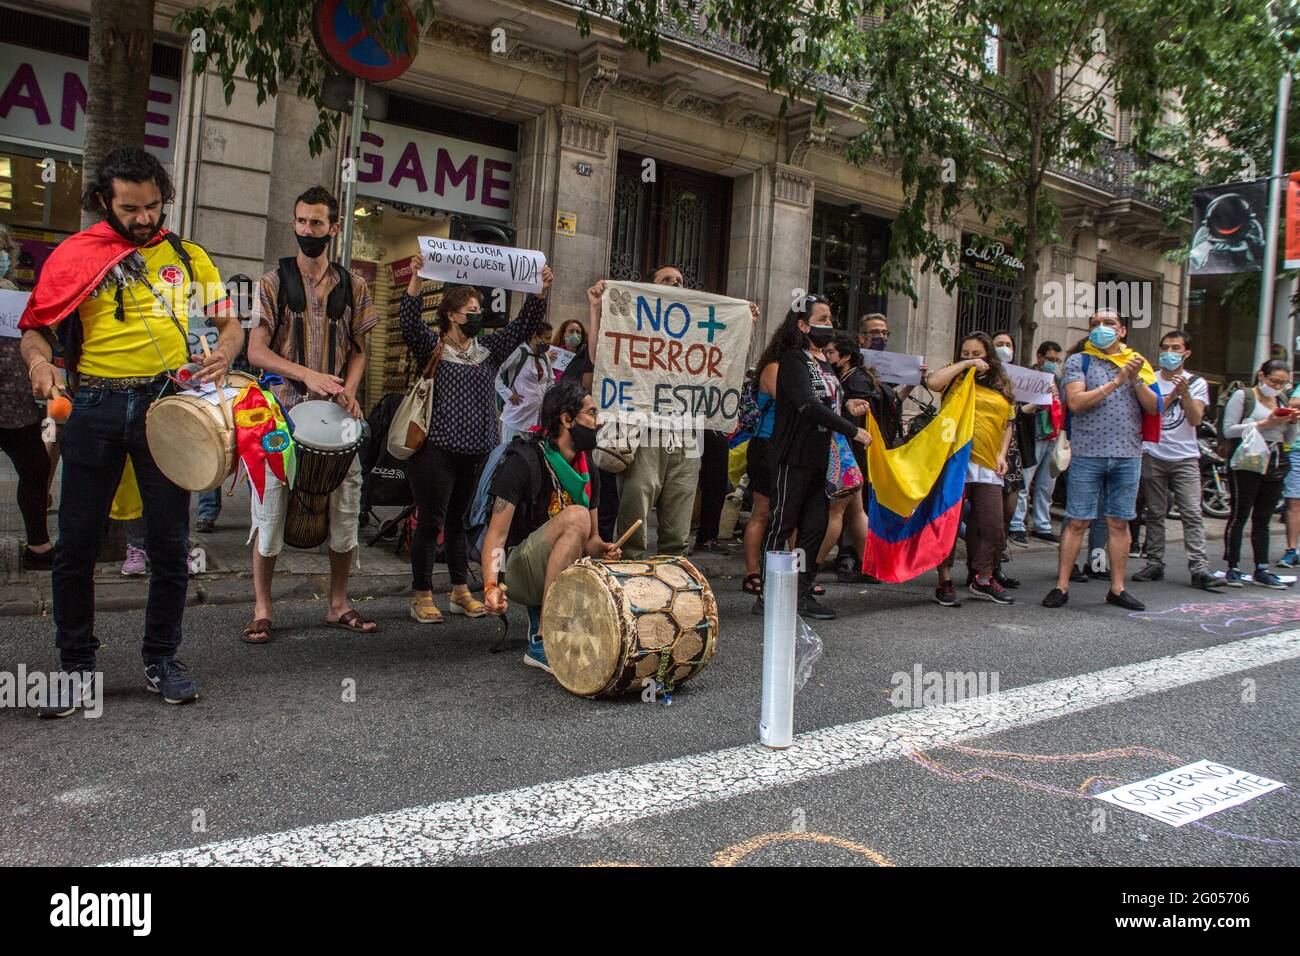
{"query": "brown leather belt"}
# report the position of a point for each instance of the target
(122, 384)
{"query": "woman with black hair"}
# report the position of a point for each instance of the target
(994, 421)
(1255, 496)
(808, 397)
(463, 426)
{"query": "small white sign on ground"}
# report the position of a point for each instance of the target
(1189, 793)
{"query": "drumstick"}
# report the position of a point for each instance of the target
(628, 533)
(221, 388)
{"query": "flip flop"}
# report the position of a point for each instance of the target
(352, 621)
(261, 625)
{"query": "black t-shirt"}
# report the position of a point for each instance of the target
(529, 488)
(580, 365)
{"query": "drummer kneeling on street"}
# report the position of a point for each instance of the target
(544, 494)
(310, 320)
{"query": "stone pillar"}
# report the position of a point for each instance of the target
(786, 238)
(931, 335)
(584, 188)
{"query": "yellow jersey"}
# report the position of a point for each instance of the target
(992, 412)
(147, 341)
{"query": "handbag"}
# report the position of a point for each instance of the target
(410, 425)
(843, 476)
(1061, 455)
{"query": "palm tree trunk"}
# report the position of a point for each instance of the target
(117, 87)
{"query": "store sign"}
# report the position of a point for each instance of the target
(989, 255)
(43, 99)
(425, 169)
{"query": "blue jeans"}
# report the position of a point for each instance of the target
(1039, 484)
(1103, 487)
(210, 504)
(104, 427)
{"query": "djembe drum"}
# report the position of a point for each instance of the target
(609, 625)
(326, 439)
(190, 438)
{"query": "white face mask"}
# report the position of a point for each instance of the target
(1004, 353)
(1268, 391)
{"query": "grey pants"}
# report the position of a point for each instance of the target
(1183, 478)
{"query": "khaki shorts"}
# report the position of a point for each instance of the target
(526, 569)
(268, 515)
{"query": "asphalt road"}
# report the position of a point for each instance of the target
(438, 722)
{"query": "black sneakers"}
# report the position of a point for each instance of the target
(991, 592)
(1207, 582)
(68, 692)
(167, 676)
(810, 607)
(946, 595)
(1152, 572)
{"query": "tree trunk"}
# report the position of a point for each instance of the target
(1029, 279)
(117, 80)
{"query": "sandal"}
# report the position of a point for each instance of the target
(424, 611)
(753, 584)
(261, 625)
(465, 603)
(817, 591)
(352, 621)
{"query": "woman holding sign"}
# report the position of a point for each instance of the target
(463, 426)
(808, 399)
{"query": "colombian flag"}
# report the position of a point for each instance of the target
(1150, 423)
(915, 490)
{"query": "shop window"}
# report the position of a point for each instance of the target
(849, 250)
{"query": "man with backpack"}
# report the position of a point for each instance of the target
(118, 296)
(1173, 464)
(544, 495)
(310, 321)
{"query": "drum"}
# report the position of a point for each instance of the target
(326, 439)
(189, 437)
(608, 625)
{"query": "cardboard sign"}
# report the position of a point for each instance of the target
(1189, 793)
(477, 263)
(11, 310)
(674, 355)
(894, 367)
(1032, 387)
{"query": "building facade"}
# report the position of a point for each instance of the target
(511, 127)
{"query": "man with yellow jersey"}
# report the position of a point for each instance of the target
(118, 295)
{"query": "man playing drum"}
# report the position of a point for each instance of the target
(545, 493)
(118, 296)
(309, 324)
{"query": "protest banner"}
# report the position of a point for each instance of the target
(480, 264)
(671, 354)
(1189, 793)
(560, 358)
(1032, 387)
(11, 310)
(894, 367)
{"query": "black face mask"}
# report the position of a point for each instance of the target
(583, 438)
(471, 327)
(878, 344)
(821, 335)
(127, 234)
(313, 246)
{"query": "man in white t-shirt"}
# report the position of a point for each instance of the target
(1174, 464)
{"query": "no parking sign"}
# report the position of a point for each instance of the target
(347, 44)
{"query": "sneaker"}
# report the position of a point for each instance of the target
(535, 652)
(192, 563)
(1006, 581)
(67, 695)
(1078, 575)
(1047, 536)
(1207, 582)
(1289, 560)
(1152, 572)
(37, 560)
(810, 607)
(1018, 538)
(1265, 578)
(946, 595)
(1234, 578)
(1056, 598)
(167, 676)
(205, 525)
(1125, 600)
(136, 562)
(991, 592)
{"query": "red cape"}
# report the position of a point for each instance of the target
(75, 269)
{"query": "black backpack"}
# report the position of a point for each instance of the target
(291, 301)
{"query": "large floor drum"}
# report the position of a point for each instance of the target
(608, 625)
(190, 439)
(326, 440)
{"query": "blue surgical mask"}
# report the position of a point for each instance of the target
(1170, 361)
(4, 264)
(1052, 367)
(1103, 336)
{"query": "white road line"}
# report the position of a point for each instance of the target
(444, 832)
